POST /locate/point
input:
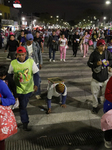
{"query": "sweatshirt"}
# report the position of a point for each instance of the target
(92, 63)
(12, 45)
(5, 95)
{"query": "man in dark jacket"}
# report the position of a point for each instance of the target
(99, 61)
(53, 45)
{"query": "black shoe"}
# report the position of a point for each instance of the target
(99, 101)
(94, 110)
(25, 127)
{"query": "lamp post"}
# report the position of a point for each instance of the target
(109, 2)
(0, 21)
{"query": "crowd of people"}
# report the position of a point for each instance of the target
(25, 52)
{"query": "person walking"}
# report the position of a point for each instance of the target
(76, 39)
(99, 61)
(53, 45)
(25, 71)
(94, 38)
(63, 45)
(12, 44)
(34, 52)
(85, 38)
(6, 99)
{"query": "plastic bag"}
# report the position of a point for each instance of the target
(8, 125)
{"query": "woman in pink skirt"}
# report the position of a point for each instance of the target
(63, 46)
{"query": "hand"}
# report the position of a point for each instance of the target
(99, 63)
(5, 50)
(110, 69)
(40, 66)
(16, 103)
(53, 40)
(35, 88)
(42, 50)
(107, 62)
(49, 111)
(63, 105)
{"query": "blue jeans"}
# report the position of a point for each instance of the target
(50, 51)
(38, 92)
(94, 45)
(23, 101)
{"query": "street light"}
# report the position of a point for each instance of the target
(104, 18)
(23, 18)
(57, 16)
(108, 2)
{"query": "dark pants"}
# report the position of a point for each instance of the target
(75, 48)
(23, 101)
(2, 145)
(50, 51)
(108, 135)
(12, 55)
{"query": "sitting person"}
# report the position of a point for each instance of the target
(56, 90)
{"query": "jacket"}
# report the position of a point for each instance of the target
(37, 55)
(50, 41)
(6, 96)
(108, 90)
(92, 63)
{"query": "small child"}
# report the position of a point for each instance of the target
(56, 90)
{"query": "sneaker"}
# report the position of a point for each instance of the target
(94, 110)
(60, 59)
(49, 60)
(64, 60)
(83, 56)
(107, 144)
(38, 97)
(8, 59)
(25, 127)
(53, 60)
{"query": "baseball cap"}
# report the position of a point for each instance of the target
(101, 42)
(21, 49)
(29, 37)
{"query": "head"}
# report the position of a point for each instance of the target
(12, 37)
(77, 33)
(21, 53)
(37, 34)
(101, 45)
(53, 33)
(63, 36)
(60, 88)
(110, 40)
(29, 38)
(22, 33)
(3, 72)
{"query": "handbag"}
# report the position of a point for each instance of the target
(8, 125)
(55, 46)
(90, 42)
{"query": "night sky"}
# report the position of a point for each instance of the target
(64, 8)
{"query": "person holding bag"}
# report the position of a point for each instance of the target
(8, 124)
(53, 45)
(63, 46)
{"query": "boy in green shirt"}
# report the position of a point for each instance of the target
(24, 70)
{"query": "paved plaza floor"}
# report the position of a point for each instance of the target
(75, 119)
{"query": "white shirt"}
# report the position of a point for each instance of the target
(63, 41)
(30, 51)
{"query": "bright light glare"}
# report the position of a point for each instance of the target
(108, 2)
